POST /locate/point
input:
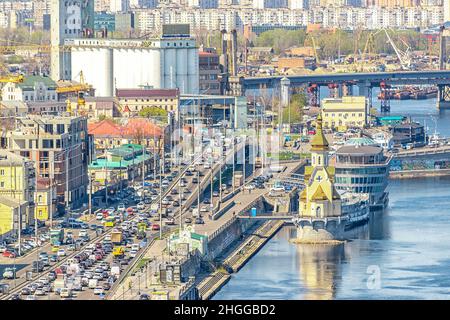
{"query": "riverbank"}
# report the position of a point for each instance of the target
(410, 174)
(237, 258)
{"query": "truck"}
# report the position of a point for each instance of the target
(258, 162)
(56, 236)
(195, 212)
(116, 237)
(118, 252)
(115, 270)
(238, 179)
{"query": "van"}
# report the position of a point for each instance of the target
(92, 283)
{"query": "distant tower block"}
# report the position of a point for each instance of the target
(69, 19)
(285, 94)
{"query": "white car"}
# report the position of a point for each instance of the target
(61, 253)
(249, 186)
(65, 293)
(99, 216)
(133, 253)
(141, 206)
(98, 290)
(121, 207)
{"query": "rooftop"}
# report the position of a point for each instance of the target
(11, 202)
(145, 93)
(362, 141)
(359, 150)
(8, 158)
(30, 82)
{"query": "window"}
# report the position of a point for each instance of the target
(2, 172)
(2, 184)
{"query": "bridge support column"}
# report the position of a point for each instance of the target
(285, 92)
(347, 89)
(443, 97)
(365, 89)
(313, 95)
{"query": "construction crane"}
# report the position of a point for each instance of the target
(315, 50)
(403, 56)
(80, 89)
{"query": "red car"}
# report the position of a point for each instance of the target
(9, 254)
(155, 227)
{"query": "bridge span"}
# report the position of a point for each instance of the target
(343, 82)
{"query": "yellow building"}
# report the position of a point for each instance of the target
(45, 199)
(17, 183)
(131, 101)
(319, 199)
(9, 215)
(343, 113)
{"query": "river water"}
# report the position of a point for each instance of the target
(402, 254)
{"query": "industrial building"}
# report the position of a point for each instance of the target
(164, 63)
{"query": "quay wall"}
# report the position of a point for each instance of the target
(409, 174)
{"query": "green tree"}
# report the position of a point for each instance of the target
(294, 112)
(149, 112)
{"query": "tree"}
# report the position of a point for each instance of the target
(294, 112)
(149, 112)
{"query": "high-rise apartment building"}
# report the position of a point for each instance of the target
(69, 19)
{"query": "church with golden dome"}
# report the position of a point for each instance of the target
(325, 214)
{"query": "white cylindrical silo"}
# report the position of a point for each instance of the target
(193, 80)
(170, 67)
(182, 65)
(108, 68)
(155, 68)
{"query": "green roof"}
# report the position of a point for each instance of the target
(131, 146)
(104, 163)
(29, 82)
(392, 118)
(197, 236)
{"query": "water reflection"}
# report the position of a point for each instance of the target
(320, 269)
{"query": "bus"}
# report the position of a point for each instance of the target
(56, 237)
(109, 222)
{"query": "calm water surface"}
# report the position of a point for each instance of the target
(403, 254)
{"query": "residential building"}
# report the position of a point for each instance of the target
(33, 88)
(17, 187)
(345, 112)
(108, 134)
(97, 107)
(209, 71)
(104, 21)
(61, 149)
(45, 199)
(13, 108)
(131, 101)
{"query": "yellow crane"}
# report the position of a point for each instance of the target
(80, 89)
(12, 78)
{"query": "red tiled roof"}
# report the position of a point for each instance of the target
(207, 54)
(133, 127)
(143, 93)
(104, 128)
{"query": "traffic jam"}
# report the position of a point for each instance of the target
(84, 259)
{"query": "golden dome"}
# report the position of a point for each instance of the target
(319, 142)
